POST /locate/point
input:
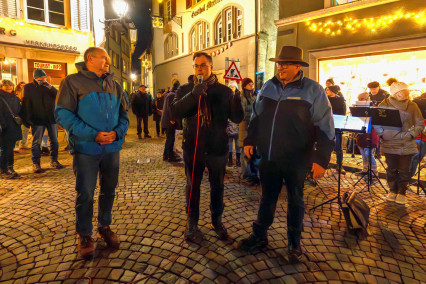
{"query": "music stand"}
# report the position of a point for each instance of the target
(344, 123)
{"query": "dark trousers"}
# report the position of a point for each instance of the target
(158, 128)
(216, 166)
(170, 142)
(398, 172)
(338, 148)
(271, 179)
(139, 120)
(6, 155)
(37, 132)
(86, 169)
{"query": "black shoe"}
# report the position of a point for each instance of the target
(45, 151)
(147, 136)
(220, 230)
(37, 169)
(165, 158)
(174, 159)
(56, 165)
(252, 242)
(192, 234)
(6, 174)
(139, 136)
(294, 255)
(12, 173)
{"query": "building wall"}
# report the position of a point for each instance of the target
(290, 8)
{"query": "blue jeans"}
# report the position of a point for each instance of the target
(6, 155)
(415, 160)
(365, 153)
(237, 144)
(38, 131)
(86, 169)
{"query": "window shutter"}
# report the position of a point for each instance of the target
(188, 4)
(80, 18)
(173, 8)
(8, 8)
(161, 9)
(234, 22)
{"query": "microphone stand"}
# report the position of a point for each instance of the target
(417, 183)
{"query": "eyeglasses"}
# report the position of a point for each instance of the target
(285, 64)
(202, 66)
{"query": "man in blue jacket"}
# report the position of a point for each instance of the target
(91, 106)
(292, 126)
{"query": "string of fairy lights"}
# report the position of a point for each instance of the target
(373, 24)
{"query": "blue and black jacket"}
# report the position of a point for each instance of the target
(292, 126)
(87, 105)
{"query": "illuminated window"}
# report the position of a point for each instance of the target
(171, 46)
(199, 36)
(169, 10)
(219, 38)
(239, 22)
(8, 9)
(230, 26)
(46, 11)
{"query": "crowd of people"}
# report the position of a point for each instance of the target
(279, 136)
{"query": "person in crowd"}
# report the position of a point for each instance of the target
(329, 82)
(21, 144)
(38, 106)
(10, 130)
(170, 123)
(399, 146)
(288, 112)
(367, 142)
(377, 94)
(142, 107)
(390, 81)
(232, 130)
(205, 107)
(158, 112)
(249, 167)
(338, 103)
(421, 139)
(96, 134)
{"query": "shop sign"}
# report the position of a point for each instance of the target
(205, 7)
(3, 31)
(51, 45)
(49, 66)
(157, 22)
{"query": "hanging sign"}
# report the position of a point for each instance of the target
(47, 66)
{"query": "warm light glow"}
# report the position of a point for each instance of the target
(120, 7)
(372, 24)
(133, 77)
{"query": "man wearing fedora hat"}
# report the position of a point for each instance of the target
(293, 129)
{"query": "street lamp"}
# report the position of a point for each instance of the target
(120, 8)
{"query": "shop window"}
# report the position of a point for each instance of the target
(171, 46)
(46, 11)
(199, 36)
(8, 70)
(8, 8)
(228, 25)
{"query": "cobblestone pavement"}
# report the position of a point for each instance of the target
(38, 239)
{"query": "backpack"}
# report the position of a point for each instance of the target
(355, 211)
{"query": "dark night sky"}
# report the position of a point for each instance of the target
(141, 18)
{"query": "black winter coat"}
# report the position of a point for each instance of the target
(167, 113)
(223, 104)
(11, 132)
(338, 105)
(38, 104)
(379, 97)
(141, 104)
(158, 106)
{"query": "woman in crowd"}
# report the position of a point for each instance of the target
(399, 146)
(10, 130)
(21, 144)
(158, 111)
(233, 132)
(366, 142)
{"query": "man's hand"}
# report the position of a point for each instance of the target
(317, 171)
(248, 151)
(104, 138)
(199, 90)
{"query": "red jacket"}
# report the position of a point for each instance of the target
(420, 136)
(361, 140)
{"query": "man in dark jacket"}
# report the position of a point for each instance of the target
(291, 115)
(38, 105)
(92, 108)
(377, 94)
(171, 124)
(215, 104)
(142, 108)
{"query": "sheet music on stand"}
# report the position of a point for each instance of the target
(351, 123)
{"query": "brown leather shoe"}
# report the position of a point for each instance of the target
(109, 236)
(295, 255)
(37, 169)
(86, 246)
(56, 165)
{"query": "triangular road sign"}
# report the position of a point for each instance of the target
(233, 73)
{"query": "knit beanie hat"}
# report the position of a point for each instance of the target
(334, 89)
(39, 73)
(396, 91)
(233, 83)
(245, 82)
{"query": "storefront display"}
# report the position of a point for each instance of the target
(353, 74)
(8, 70)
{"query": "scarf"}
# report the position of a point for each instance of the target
(205, 109)
(248, 95)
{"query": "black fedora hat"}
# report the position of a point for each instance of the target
(290, 54)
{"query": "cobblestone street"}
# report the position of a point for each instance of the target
(38, 239)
